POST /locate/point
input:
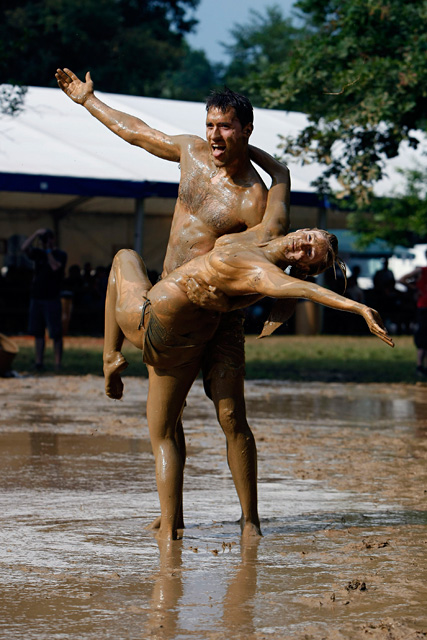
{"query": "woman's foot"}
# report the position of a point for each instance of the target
(114, 364)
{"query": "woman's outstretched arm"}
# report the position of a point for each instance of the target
(271, 281)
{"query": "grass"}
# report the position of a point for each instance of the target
(296, 358)
(331, 358)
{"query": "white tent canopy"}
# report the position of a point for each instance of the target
(56, 138)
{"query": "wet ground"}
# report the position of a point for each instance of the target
(342, 488)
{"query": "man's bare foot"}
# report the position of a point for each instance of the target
(251, 531)
(114, 364)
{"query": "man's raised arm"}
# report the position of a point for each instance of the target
(275, 222)
(128, 127)
(276, 218)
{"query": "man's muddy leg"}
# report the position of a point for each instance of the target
(166, 396)
(128, 285)
(228, 396)
(180, 443)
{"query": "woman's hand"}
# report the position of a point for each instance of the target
(376, 325)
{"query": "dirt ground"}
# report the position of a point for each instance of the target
(342, 493)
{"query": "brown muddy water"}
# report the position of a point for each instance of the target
(342, 492)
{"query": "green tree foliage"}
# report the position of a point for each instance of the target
(265, 40)
(128, 45)
(401, 219)
(193, 80)
(360, 74)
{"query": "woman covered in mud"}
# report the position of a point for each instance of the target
(172, 321)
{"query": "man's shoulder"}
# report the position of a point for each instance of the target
(193, 144)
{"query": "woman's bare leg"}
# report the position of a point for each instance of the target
(166, 396)
(128, 284)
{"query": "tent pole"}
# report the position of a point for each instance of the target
(139, 225)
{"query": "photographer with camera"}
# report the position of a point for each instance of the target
(45, 301)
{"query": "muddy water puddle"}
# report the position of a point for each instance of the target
(342, 492)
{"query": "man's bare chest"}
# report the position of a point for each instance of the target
(219, 207)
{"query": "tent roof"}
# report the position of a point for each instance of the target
(55, 146)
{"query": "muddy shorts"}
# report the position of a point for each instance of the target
(165, 349)
(224, 354)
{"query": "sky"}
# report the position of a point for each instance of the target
(217, 17)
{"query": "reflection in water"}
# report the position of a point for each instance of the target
(354, 405)
(178, 588)
(239, 601)
(43, 444)
(45, 453)
(167, 590)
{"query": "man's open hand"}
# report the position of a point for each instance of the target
(74, 88)
(207, 297)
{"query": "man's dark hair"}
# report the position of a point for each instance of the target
(227, 98)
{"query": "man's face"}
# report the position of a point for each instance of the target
(227, 138)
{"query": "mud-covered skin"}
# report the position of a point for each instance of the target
(239, 269)
(210, 205)
(220, 192)
(217, 195)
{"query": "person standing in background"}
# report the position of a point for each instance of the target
(417, 279)
(45, 301)
(385, 293)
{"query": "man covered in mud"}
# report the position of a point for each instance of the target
(220, 192)
(171, 325)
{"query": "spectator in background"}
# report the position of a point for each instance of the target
(353, 323)
(417, 279)
(354, 292)
(384, 277)
(70, 295)
(87, 275)
(45, 301)
(98, 293)
(385, 293)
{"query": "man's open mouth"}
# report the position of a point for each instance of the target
(217, 150)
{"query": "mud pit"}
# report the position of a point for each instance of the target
(342, 489)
